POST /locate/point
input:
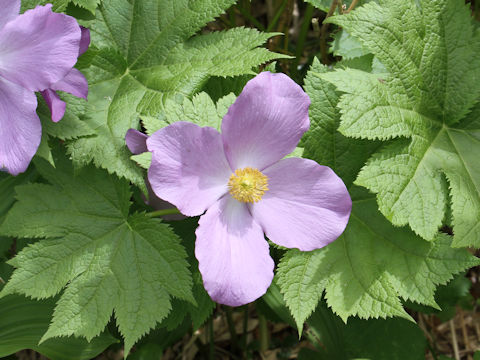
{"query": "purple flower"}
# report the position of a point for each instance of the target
(239, 178)
(38, 50)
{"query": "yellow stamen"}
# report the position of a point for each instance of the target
(248, 185)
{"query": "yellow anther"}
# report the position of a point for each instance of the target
(248, 185)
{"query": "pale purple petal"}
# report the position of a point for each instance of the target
(20, 128)
(233, 255)
(266, 121)
(84, 40)
(10, 10)
(136, 141)
(38, 48)
(56, 105)
(307, 205)
(74, 83)
(189, 168)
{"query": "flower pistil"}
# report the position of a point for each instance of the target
(248, 185)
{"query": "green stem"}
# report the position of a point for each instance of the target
(302, 37)
(277, 15)
(163, 212)
(231, 17)
(231, 329)
(352, 6)
(323, 33)
(263, 329)
(250, 18)
(476, 10)
(211, 347)
(245, 329)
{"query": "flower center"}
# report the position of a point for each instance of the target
(248, 185)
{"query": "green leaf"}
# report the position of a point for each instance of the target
(90, 5)
(323, 143)
(200, 312)
(423, 105)
(7, 185)
(379, 339)
(143, 160)
(24, 321)
(368, 269)
(449, 297)
(73, 123)
(61, 5)
(273, 306)
(201, 110)
(217, 86)
(58, 5)
(346, 46)
(373, 264)
(147, 53)
(106, 259)
(324, 5)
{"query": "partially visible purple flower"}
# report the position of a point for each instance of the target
(239, 178)
(38, 50)
(136, 141)
(74, 83)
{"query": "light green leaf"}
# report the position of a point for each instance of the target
(346, 46)
(148, 53)
(58, 5)
(323, 143)
(24, 321)
(143, 160)
(373, 264)
(201, 110)
(424, 105)
(61, 5)
(106, 259)
(44, 150)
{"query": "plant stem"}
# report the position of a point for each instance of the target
(231, 17)
(163, 212)
(245, 329)
(276, 17)
(211, 345)
(323, 33)
(302, 37)
(352, 6)
(231, 328)
(454, 340)
(250, 17)
(263, 329)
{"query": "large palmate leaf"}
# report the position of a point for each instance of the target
(373, 264)
(147, 53)
(106, 259)
(24, 321)
(431, 50)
